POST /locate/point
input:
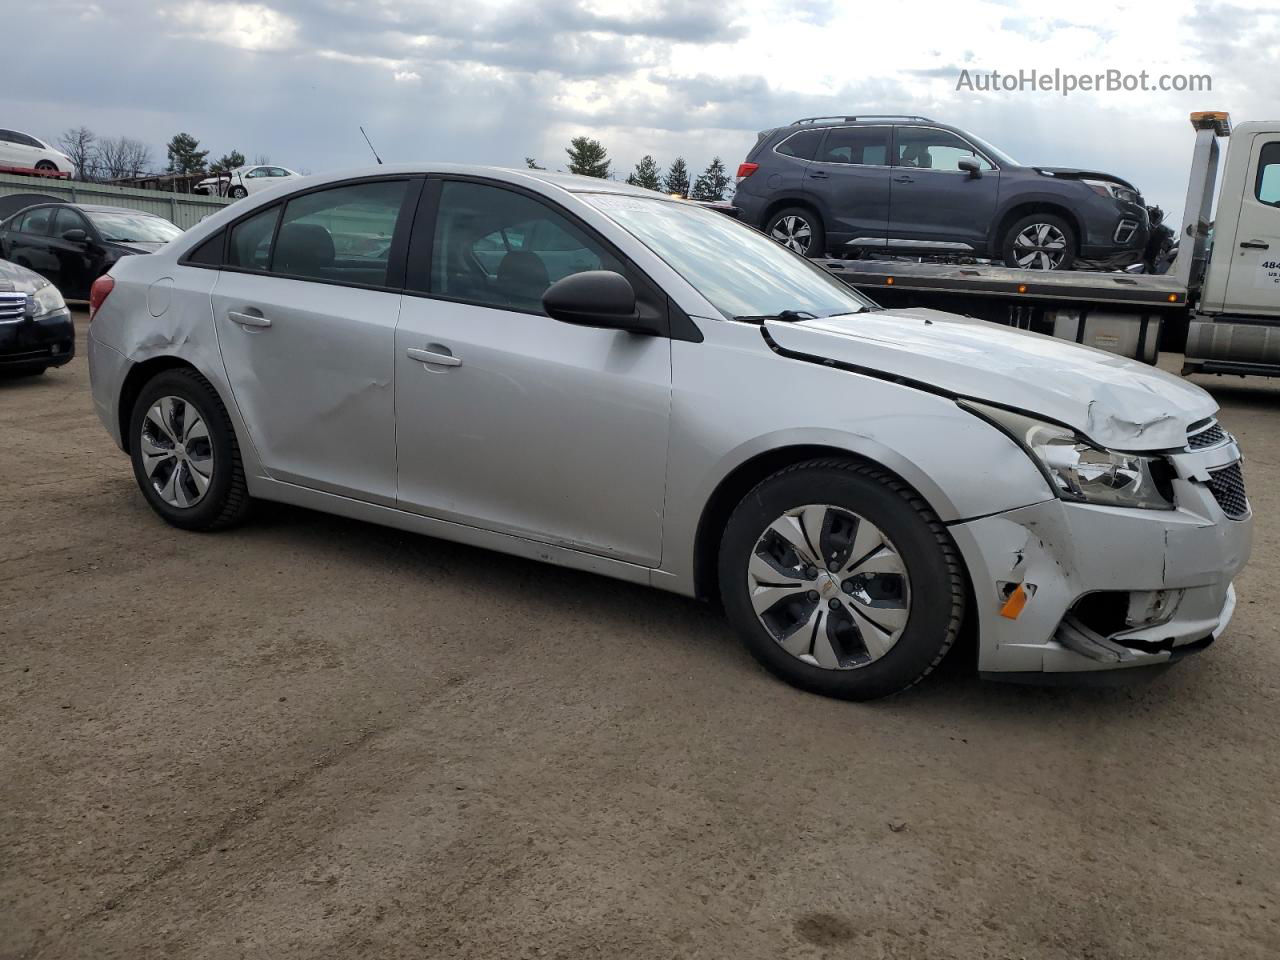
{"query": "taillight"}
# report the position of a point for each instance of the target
(746, 169)
(98, 293)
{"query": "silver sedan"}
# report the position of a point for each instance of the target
(598, 376)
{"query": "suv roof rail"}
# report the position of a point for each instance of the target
(865, 116)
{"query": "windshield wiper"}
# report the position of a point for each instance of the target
(788, 316)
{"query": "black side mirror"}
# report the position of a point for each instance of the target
(970, 166)
(596, 298)
(75, 236)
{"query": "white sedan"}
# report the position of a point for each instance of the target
(31, 153)
(243, 181)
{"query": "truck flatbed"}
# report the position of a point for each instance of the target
(1165, 292)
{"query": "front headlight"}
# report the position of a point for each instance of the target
(1078, 470)
(1108, 189)
(45, 301)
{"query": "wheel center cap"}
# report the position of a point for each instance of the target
(830, 585)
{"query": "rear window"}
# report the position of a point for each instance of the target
(34, 221)
(251, 240)
(864, 145)
(802, 145)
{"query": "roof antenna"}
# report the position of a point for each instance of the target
(374, 152)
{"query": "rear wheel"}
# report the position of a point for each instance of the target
(1039, 241)
(237, 192)
(841, 580)
(798, 229)
(184, 451)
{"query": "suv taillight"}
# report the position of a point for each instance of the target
(746, 169)
(98, 293)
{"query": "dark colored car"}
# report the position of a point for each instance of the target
(72, 244)
(847, 186)
(36, 331)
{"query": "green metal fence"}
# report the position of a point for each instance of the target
(184, 209)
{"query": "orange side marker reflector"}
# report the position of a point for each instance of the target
(1014, 605)
(1022, 288)
(1173, 298)
(888, 281)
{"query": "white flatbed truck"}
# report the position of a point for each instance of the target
(1225, 294)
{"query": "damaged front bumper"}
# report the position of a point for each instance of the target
(1067, 587)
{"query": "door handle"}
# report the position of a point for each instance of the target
(430, 356)
(903, 180)
(820, 175)
(1254, 245)
(247, 319)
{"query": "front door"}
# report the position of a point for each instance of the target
(1253, 283)
(933, 203)
(307, 336)
(849, 181)
(507, 419)
(78, 260)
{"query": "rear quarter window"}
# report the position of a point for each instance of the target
(802, 145)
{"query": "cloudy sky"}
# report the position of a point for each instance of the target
(493, 81)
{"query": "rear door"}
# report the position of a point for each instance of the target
(934, 204)
(29, 243)
(1253, 283)
(849, 183)
(308, 338)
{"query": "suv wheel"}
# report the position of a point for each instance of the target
(798, 229)
(1039, 241)
(841, 580)
(184, 451)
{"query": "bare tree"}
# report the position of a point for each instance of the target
(260, 159)
(80, 144)
(122, 157)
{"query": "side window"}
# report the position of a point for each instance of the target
(277, 172)
(6, 136)
(67, 219)
(933, 150)
(865, 145)
(209, 253)
(25, 140)
(341, 234)
(257, 172)
(251, 240)
(1267, 186)
(802, 145)
(37, 221)
(499, 248)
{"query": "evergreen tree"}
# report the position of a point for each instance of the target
(588, 157)
(677, 179)
(712, 182)
(227, 162)
(646, 174)
(532, 164)
(185, 155)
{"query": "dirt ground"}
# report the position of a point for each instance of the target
(314, 738)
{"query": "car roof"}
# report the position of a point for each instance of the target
(570, 182)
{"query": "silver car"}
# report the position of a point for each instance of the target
(597, 376)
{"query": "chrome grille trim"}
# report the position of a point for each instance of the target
(13, 307)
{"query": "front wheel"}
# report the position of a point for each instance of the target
(184, 451)
(237, 193)
(798, 229)
(841, 580)
(47, 166)
(1039, 241)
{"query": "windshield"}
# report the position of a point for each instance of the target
(741, 271)
(134, 227)
(995, 153)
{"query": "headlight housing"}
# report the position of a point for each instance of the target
(45, 300)
(1078, 470)
(1108, 189)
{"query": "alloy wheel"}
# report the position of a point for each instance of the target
(829, 587)
(1040, 246)
(177, 454)
(793, 232)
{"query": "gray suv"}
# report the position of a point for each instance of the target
(848, 186)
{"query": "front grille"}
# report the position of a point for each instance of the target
(13, 306)
(1227, 487)
(1213, 434)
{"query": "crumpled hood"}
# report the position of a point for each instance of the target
(1075, 173)
(1115, 402)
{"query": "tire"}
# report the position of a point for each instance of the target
(47, 165)
(1043, 227)
(215, 455)
(799, 229)
(918, 610)
(237, 192)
